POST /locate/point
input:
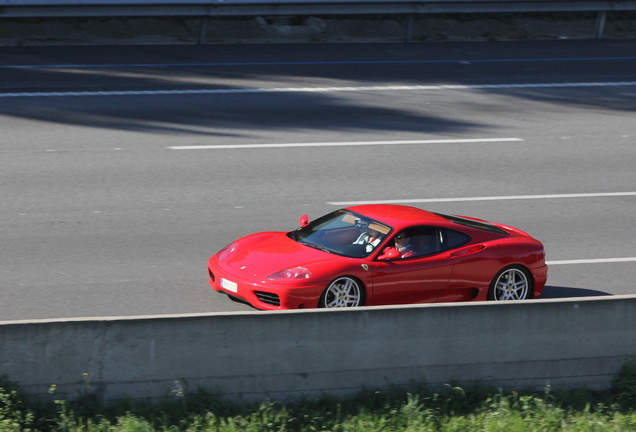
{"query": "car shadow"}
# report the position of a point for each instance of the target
(236, 70)
(553, 292)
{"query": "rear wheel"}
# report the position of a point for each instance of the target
(343, 292)
(511, 283)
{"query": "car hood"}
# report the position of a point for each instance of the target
(276, 254)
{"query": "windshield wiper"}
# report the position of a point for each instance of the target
(315, 246)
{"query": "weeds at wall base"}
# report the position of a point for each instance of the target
(454, 408)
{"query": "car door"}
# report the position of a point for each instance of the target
(416, 279)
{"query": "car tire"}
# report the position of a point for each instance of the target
(511, 283)
(345, 291)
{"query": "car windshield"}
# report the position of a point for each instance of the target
(343, 233)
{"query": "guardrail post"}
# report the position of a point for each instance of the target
(202, 30)
(408, 28)
(600, 25)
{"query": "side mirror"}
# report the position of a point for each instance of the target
(304, 220)
(389, 253)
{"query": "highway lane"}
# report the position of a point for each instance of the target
(101, 217)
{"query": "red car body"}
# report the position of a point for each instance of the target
(321, 265)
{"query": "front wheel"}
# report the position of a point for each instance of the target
(343, 292)
(511, 283)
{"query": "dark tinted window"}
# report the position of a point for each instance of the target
(423, 240)
(454, 239)
(426, 240)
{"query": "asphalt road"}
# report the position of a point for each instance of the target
(107, 211)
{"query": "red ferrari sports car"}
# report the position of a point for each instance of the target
(380, 255)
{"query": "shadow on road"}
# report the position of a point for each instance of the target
(552, 292)
(153, 68)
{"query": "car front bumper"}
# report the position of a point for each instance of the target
(264, 295)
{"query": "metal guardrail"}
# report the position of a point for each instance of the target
(235, 8)
(75, 8)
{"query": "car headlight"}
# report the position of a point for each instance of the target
(291, 274)
(226, 251)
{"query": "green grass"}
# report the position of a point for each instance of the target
(451, 409)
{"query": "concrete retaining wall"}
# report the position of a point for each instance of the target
(565, 343)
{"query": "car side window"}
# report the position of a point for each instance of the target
(417, 241)
(426, 240)
(451, 239)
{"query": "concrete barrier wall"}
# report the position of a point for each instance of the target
(572, 342)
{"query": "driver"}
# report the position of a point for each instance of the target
(403, 245)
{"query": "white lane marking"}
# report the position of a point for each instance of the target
(343, 144)
(592, 261)
(485, 198)
(315, 89)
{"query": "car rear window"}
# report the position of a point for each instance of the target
(473, 224)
